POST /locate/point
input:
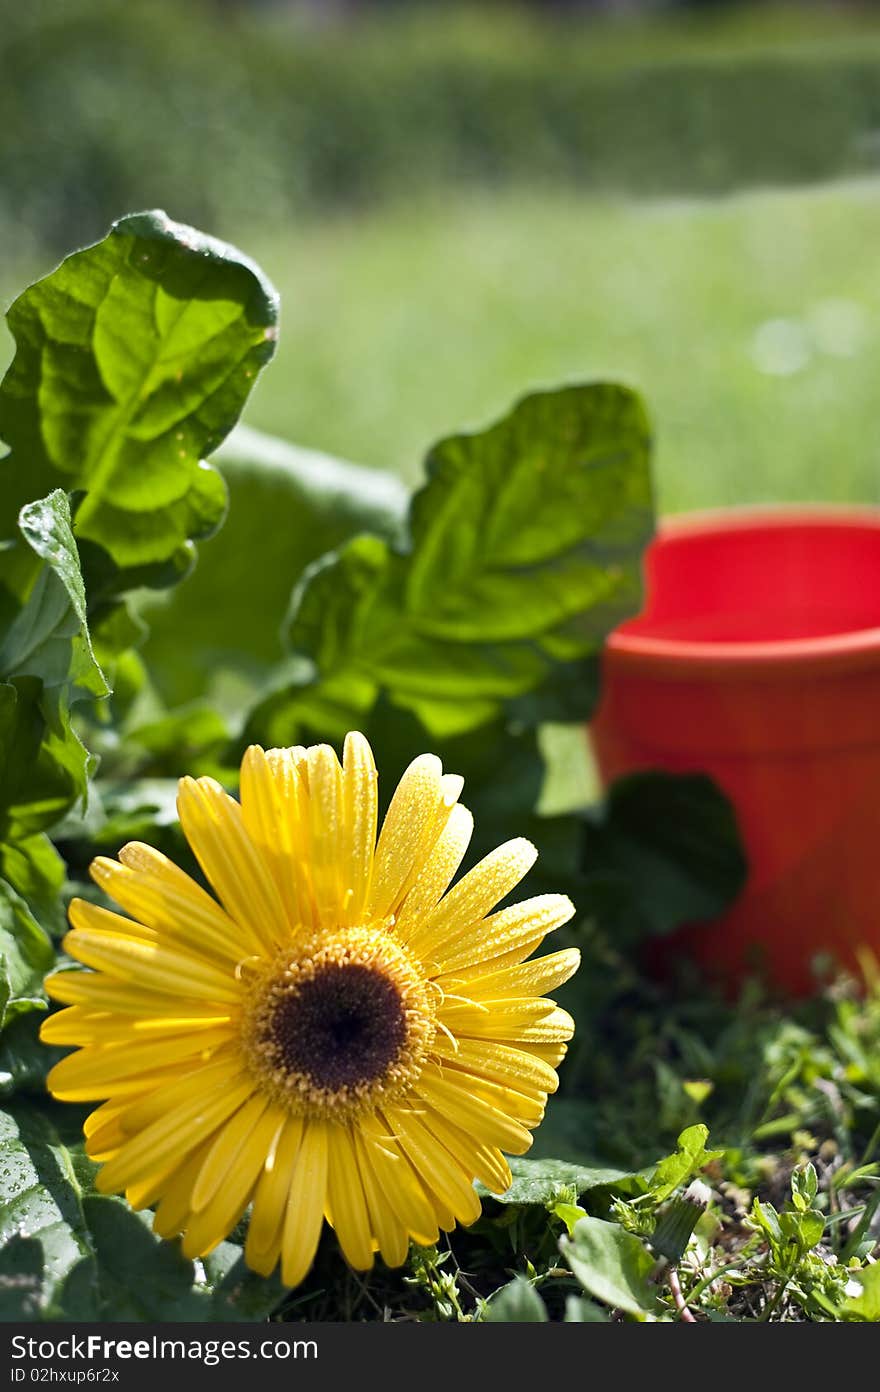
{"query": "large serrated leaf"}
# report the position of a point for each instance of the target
(133, 360)
(68, 1253)
(525, 551)
(532, 523)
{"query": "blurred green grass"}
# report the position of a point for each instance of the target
(228, 111)
(751, 325)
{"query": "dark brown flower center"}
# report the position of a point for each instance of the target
(343, 1027)
(339, 1024)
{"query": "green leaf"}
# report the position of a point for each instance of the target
(688, 1160)
(804, 1186)
(46, 663)
(539, 1181)
(287, 506)
(26, 954)
(133, 361)
(44, 766)
(24, 1059)
(35, 869)
(662, 850)
(580, 1311)
(525, 552)
(865, 1304)
(612, 1265)
(517, 1302)
(807, 1228)
(68, 1253)
(765, 1219)
(49, 636)
(129, 810)
(189, 740)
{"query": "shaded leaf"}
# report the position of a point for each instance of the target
(46, 663)
(190, 739)
(612, 1265)
(49, 636)
(517, 1302)
(580, 1311)
(26, 954)
(24, 1059)
(36, 871)
(662, 850)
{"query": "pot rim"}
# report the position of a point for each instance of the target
(786, 657)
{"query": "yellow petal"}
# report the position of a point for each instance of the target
(79, 1026)
(390, 1233)
(482, 950)
(151, 888)
(198, 1081)
(83, 914)
(358, 846)
(506, 1019)
(304, 1216)
(213, 826)
(533, 978)
(206, 1228)
(444, 1174)
(326, 833)
(499, 1063)
(397, 1182)
(437, 875)
(408, 823)
(485, 1163)
(270, 1199)
(222, 1158)
(107, 993)
(274, 808)
(161, 1147)
(150, 965)
(90, 1073)
(106, 1134)
(458, 916)
(173, 1211)
(488, 1123)
(345, 1193)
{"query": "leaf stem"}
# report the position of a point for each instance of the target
(678, 1298)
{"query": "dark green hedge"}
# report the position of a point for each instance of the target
(108, 107)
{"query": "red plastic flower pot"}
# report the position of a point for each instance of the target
(757, 660)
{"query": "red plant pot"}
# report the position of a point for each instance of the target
(757, 660)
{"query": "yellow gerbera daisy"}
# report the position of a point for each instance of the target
(338, 1037)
